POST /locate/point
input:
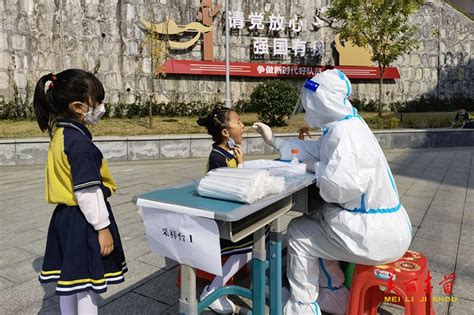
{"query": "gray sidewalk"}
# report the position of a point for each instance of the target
(436, 187)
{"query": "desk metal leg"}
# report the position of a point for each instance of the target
(258, 272)
(187, 303)
(275, 268)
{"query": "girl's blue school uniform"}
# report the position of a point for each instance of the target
(222, 158)
(72, 257)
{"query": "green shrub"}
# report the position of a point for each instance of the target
(382, 122)
(365, 105)
(242, 106)
(431, 104)
(118, 110)
(426, 120)
(121, 110)
(273, 101)
(19, 107)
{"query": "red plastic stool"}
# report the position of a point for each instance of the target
(407, 282)
(201, 274)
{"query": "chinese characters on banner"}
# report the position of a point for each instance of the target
(294, 70)
(281, 47)
(254, 69)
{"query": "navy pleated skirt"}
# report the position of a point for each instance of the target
(72, 257)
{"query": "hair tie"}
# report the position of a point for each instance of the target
(48, 85)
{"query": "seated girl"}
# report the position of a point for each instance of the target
(226, 129)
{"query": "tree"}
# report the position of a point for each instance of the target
(380, 25)
(158, 50)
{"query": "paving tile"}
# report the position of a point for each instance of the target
(138, 274)
(16, 298)
(450, 205)
(441, 233)
(463, 285)
(157, 261)
(132, 303)
(438, 215)
(13, 255)
(130, 217)
(156, 289)
(419, 192)
(23, 270)
(416, 202)
(20, 237)
(135, 247)
(172, 310)
(132, 231)
(462, 307)
(36, 247)
(4, 283)
(45, 307)
(467, 232)
(416, 216)
(440, 257)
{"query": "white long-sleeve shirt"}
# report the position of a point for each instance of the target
(92, 203)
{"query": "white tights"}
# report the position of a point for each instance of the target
(233, 264)
(82, 303)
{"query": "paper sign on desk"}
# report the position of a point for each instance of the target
(193, 241)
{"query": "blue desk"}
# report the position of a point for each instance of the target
(235, 221)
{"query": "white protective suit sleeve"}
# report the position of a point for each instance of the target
(346, 176)
(92, 203)
(308, 150)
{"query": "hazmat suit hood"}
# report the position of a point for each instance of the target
(325, 98)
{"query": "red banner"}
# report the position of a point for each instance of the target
(255, 69)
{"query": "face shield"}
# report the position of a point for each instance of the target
(325, 98)
(310, 116)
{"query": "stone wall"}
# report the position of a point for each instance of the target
(35, 150)
(443, 64)
(42, 36)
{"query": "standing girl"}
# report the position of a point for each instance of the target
(226, 129)
(83, 250)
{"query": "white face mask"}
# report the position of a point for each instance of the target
(93, 116)
(232, 144)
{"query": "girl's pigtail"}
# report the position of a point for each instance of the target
(41, 105)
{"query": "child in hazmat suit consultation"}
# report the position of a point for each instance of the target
(362, 220)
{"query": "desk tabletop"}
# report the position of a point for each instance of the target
(185, 199)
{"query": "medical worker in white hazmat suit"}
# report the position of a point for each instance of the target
(362, 221)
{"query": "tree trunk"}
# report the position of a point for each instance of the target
(150, 114)
(382, 70)
(150, 102)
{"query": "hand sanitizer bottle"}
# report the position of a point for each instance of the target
(294, 153)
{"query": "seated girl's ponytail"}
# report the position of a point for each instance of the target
(203, 121)
(217, 120)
